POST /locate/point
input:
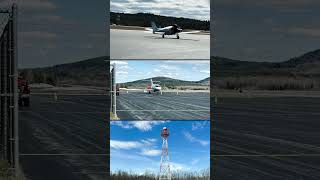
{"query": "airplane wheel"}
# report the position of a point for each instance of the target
(162, 35)
(178, 37)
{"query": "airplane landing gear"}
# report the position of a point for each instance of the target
(162, 35)
(178, 36)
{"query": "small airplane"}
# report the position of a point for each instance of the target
(154, 86)
(169, 30)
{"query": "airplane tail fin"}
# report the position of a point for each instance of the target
(154, 27)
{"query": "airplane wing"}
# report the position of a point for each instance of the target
(190, 32)
(160, 31)
(148, 29)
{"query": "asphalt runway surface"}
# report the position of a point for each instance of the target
(266, 138)
(168, 106)
(133, 44)
(64, 139)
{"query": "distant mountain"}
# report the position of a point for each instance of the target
(144, 19)
(91, 72)
(299, 73)
(165, 82)
(305, 65)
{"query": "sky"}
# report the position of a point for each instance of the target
(195, 70)
(58, 31)
(267, 30)
(135, 146)
(194, 9)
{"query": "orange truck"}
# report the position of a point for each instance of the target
(24, 92)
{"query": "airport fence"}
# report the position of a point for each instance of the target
(9, 88)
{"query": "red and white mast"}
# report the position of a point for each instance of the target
(165, 173)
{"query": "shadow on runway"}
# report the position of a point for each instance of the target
(168, 38)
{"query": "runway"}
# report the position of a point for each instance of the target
(133, 44)
(168, 106)
(266, 138)
(64, 139)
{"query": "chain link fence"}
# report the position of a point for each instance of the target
(8, 89)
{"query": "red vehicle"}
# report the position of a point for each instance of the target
(24, 92)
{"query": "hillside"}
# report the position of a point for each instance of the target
(299, 73)
(144, 19)
(165, 82)
(305, 65)
(91, 72)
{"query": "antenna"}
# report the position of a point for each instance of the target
(165, 173)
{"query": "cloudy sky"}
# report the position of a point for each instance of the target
(58, 31)
(132, 70)
(267, 30)
(194, 9)
(136, 145)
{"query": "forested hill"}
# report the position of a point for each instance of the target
(144, 19)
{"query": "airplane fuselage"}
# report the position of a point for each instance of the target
(169, 30)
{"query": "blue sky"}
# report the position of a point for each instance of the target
(135, 146)
(194, 9)
(52, 32)
(184, 70)
(273, 30)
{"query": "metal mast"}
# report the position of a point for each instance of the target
(165, 173)
(113, 93)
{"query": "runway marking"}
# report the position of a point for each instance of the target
(56, 124)
(172, 102)
(266, 155)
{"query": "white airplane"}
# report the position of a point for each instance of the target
(154, 86)
(169, 30)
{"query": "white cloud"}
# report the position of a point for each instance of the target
(145, 125)
(194, 139)
(125, 144)
(150, 152)
(141, 125)
(146, 147)
(122, 72)
(199, 125)
(119, 62)
(194, 62)
(195, 9)
(168, 67)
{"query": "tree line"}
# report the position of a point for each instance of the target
(144, 20)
